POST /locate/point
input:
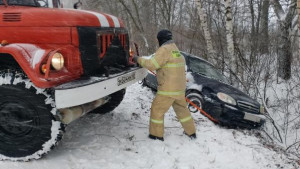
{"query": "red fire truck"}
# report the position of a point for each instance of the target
(56, 65)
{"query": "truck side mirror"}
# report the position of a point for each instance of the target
(77, 5)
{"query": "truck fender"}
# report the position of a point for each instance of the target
(28, 57)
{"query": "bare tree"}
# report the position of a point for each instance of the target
(264, 28)
(135, 18)
(284, 52)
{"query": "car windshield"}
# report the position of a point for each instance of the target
(203, 68)
(20, 2)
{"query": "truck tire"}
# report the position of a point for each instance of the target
(113, 101)
(28, 129)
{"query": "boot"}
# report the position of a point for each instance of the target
(156, 138)
(192, 136)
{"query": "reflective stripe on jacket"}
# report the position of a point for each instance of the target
(170, 68)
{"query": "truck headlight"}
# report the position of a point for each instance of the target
(226, 98)
(57, 61)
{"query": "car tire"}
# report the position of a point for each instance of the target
(28, 127)
(197, 99)
(113, 101)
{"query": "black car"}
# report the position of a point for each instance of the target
(210, 90)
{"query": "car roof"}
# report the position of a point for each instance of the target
(196, 57)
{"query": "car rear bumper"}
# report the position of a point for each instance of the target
(87, 90)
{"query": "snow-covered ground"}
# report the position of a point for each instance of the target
(118, 140)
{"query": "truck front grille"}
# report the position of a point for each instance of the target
(105, 38)
(103, 50)
(248, 106)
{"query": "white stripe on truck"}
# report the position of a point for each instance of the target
(116, 21)
(102, 19)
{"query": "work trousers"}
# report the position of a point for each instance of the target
(161, 105)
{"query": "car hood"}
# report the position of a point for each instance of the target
(217, 86)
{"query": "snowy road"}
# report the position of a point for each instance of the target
(118, 140)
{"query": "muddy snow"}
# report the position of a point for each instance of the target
(118, 140)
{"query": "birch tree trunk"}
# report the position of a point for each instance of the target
(203, 19)
(230, 44)
(285, 51)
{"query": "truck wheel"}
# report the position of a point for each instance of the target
(113, 101)
(197, 99)
(28, 128)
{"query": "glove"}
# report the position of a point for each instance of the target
(135, 59)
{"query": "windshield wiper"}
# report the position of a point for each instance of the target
(202, 74)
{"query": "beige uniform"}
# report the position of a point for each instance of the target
(170, 68)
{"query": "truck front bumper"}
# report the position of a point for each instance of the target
(87, 90)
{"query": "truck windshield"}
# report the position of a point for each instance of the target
(20, 2)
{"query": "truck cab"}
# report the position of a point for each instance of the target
(68, 61)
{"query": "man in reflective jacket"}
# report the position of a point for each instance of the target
(170, 67)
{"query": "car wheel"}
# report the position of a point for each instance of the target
(197, 99)
(113, 101)
(28, 129)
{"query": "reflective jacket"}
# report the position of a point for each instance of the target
(170, 68)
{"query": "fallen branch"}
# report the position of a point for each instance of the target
(298, 142)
